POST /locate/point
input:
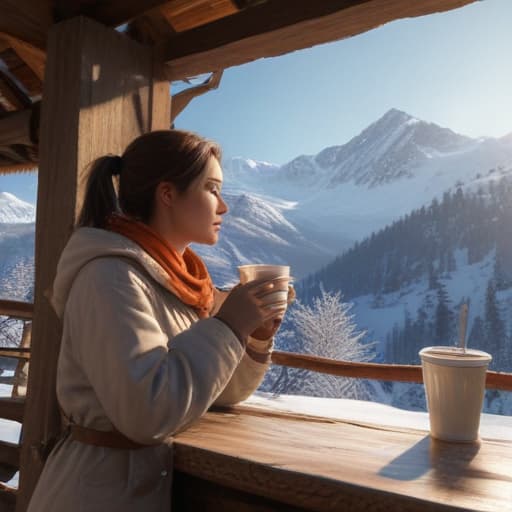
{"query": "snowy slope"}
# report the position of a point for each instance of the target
(467, 281)
(257, 231)
(14, 210)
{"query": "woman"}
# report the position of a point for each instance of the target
(147, 344)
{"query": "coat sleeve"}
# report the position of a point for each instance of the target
(147, 390)
(248, 375)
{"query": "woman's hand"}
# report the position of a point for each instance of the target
(268, 329)
(219, 296)
(251, 305)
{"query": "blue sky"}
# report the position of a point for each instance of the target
(452, 69)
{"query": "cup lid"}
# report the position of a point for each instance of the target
(455, 356)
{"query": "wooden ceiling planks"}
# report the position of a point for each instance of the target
(12, 96)
(192, 36)
(34, 57)
(277, 27)
(108, 12)
(184, 15)
(27, 20)
(19, 69)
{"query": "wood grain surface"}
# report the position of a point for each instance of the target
(334, 465)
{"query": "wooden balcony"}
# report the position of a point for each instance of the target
(292, 453)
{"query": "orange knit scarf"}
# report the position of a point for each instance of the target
(188, 276)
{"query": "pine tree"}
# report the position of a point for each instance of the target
(476, 337)
(494, 326)
(443, 317)
(327, 329)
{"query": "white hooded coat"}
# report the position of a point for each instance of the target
(135, 358)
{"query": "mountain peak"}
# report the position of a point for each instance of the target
(395, 114)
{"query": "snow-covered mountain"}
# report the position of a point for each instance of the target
(14, 210)
(397, 164)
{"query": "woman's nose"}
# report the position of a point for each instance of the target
(223, 207)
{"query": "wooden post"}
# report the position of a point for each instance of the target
(101, 90)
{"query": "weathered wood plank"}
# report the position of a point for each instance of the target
(99, 93)
(12, 409)
(277, 27)
(334, 465)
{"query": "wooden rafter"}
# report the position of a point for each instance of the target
(11, 95)
(31, 80)
(186, 14)
(109, 12)
(277, 27)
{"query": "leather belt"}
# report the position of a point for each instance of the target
(108, 439)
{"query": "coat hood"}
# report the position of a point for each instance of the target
(87, 244)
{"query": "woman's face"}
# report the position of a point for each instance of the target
(196, 214)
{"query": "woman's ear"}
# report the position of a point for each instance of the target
(165, 193)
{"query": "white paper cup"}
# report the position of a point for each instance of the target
(454, 385)
(259, 271)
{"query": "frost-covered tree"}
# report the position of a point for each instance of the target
(326, 328)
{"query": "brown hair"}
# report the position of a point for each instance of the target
(175, 156)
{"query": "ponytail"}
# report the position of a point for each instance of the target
(100, 197)
(174, 156)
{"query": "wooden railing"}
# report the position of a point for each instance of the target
(378, 371)
(16, 309)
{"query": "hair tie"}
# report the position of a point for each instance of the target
(117, 162)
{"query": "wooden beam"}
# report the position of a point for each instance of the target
(186, 14)
(9, 454)
(16, 309)
(22, 353)
(17, 168)
(12, 409)
(277, 27)
(7, 498)
(31, 80)
(26, 20)
(34, 57)
(12, 94)
(4, 44)
(100, 91)
(108, 12)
